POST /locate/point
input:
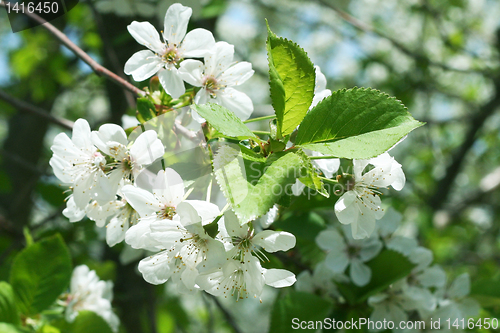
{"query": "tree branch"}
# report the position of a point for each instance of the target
(97, 68)
(445, 184)
(26, 107)
(416, 55)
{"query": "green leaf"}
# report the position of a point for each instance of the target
(49, 329)
(356, 123)
(39, 274)
(8, 309)
(88, 321)
(487, 291)
(388, 267)
(146, 110)
(52, 193)
(297, 305)
(224, 121)
(9, 328)
(253, 184)
(292, 79)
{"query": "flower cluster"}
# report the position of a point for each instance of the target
(95, 165)
(423, 294)
(169, 59)
(227, 263)
(193, 243)
(101, 168)
(89, 293)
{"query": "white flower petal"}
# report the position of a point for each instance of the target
(370, 249)
(365, 225)
(220, 58)
(469, 308)
(236, 101)
(206, 210)
(197, 43)
(320, 83)
(460, 286)
(171, 82)
(298, 188)
(145, 34)
(236, 74)
(233, 227)
(188, 214)
(345, 208)
(403, 245)
(81, 134)
(337, 261)
(72, 212)
(176, 22)
(141, 200)
(422, 257)
(138, 236)
(279, 278)
(273, 241)
(59, 166)
(142, 65)
(100, 213)
(331, 239)
(191, 71)
(147, 148)
(168, 187)
(158, 268)
(327, 166)
(115, 231)
(108, 133)
(433, 276)
(359, 273)
(358, 167)
(318, 97)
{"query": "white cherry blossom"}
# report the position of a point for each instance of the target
(87, 292)
(77, 163)
(164, 57)
(130, 159)
(161, 204)
(186, 245)
(353, 253)
(216, 77)
(242, 278)
(360, 205)
(241, 240)
(454, 303)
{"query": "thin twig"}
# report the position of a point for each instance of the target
(26, 107)
(97, 68)
(229, 318)
(185, 132)
(418, 56)
(110, 52)
(21, 162)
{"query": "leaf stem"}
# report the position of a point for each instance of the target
(325, 157)
(261, 133)
(328, 180)
(259, 119)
